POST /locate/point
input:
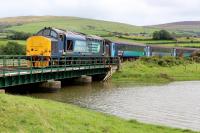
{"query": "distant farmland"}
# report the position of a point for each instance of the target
(89, 26)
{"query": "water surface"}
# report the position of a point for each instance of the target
(176, 104)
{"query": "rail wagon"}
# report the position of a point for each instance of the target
(161, 51)
(128, 51)
(185, 52)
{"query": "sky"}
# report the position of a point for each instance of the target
(135, 12)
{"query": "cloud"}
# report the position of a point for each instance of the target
(143, 12)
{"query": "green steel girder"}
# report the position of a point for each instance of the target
(42, 77)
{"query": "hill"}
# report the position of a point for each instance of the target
(32, 24)
(184, 27)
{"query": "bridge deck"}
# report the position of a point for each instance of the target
(19, 70)
(25, 71)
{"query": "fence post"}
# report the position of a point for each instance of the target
(3, 66)
(18, 68)
(31, 65)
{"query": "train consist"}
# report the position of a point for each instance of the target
(51, 43)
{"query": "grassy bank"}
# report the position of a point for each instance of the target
(140, 71)
(5, 41)
(23, 114)
(84, 25)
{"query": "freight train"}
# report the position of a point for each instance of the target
(52, 43)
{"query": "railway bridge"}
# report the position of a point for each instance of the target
(21, 70)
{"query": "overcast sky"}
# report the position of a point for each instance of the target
(136, 12)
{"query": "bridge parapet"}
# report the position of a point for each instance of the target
(19, 70)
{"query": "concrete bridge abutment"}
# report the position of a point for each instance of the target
(51, 85)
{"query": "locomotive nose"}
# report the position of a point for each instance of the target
(38, 46)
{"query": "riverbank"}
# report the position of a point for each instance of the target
(23, 114)
(146, 72)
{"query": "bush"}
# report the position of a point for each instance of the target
(165, 61)
(162, 35)
(19, 36)
(12, 48)
(196, 56)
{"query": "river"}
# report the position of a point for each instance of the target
(176, 104)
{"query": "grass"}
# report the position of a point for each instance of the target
(142, 72)
(23, 114)
(5, 41)
(88, 26)
(182, 28)
(32, 24)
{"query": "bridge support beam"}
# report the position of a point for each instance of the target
(51, 85)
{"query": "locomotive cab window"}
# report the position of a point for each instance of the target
(54, 34)
(69, 45)
(61, 37)
(46, 32)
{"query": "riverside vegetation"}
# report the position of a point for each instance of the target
(158, 70)
(23, 114)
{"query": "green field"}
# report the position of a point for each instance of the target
(34, 23)
(181, 28)
(28, 115)
(5, 41)
(88, 26)
(142, 72)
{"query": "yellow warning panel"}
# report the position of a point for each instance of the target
(38, 46)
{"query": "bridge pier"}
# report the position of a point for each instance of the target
(2, 91)
(84, 79)
(51, 85)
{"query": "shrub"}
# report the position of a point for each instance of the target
(19, 36)
(196, 56)
(162, 35)
(12, 48)
(163, 61)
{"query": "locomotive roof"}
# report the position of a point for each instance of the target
(94, 37)
(70, 34)
(74, 35)
(170, 47)
(126, 43)
(192, 49)
(164, 47)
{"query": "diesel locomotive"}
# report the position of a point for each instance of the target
(52, 43)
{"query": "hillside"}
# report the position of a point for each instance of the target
(184, 27)
(32, 24)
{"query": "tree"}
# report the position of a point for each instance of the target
(162, 35)
(19, 36)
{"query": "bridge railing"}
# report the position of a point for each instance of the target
(17, 65)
